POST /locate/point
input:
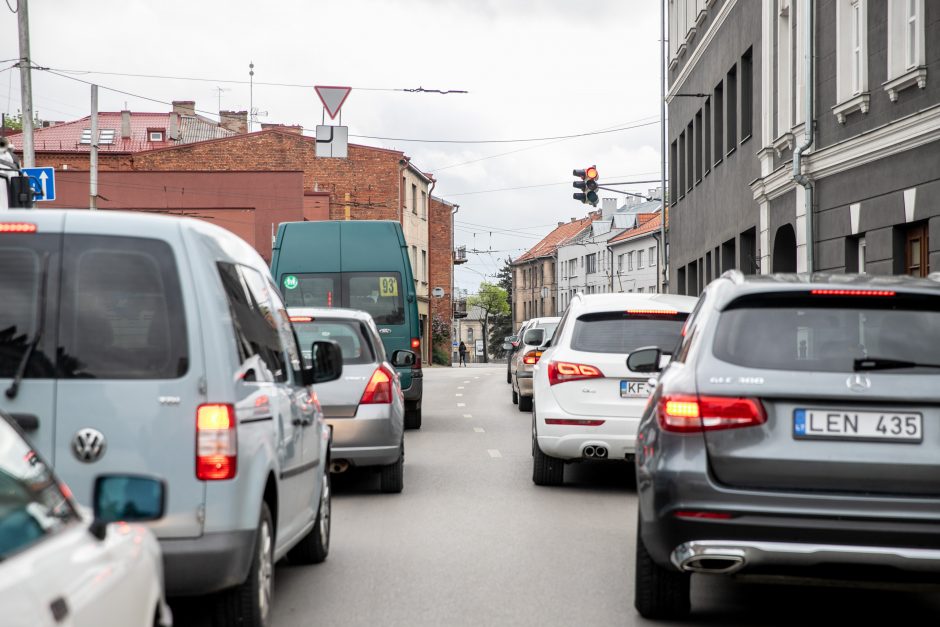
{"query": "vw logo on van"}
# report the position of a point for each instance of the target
(88, 445)
(858, 383)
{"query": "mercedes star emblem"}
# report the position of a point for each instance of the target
(858, 383)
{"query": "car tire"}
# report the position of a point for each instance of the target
(659, 593)
(508, 377)
(393, 475)
(315, 546)
(546, 470)
(515, 397)
(413, 418)
(249, 604)
(525, 403)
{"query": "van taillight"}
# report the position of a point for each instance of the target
(379, 389)
(17, 227)
(416, 347)
(562, 372)
(216, 442)
(692, 414)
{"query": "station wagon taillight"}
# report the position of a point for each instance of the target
(379, 389)
(692, 414)
(563, 371)
(216, 442)
(17, 227)
(532, 357)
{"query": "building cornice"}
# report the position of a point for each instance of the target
(700, 49)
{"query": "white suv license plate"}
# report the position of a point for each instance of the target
(634, 388)
(871, 426)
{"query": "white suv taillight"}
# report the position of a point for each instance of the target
(562, 372)
(379, 389)
(693, 414)
(216, 442)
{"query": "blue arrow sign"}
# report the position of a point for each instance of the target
(42, 180)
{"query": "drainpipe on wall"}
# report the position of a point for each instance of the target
(402, 163)
(808, 123)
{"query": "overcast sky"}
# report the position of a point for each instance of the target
(534, 68)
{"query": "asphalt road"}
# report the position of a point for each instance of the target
(472, 541)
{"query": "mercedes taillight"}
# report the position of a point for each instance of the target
(692, 414)
(216, 442)
(563, 371)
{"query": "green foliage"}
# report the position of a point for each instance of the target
(15, 122)
(441, 356)
(440, 341)
(501, 327)
(492, 299)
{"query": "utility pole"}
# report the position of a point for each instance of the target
(26, 85)
(93, 162)
(251, 94)
(662, 145)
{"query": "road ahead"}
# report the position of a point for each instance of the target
(472, 541)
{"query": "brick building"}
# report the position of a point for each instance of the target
(441, 264)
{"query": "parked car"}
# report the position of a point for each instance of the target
(360, 264)
(510, 344)
(588, 403)
(793, 433)
(522, 362)
(63, 564)
(135, 343)
(365, 408)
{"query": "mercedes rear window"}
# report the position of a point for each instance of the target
(624, 332)
(829, 333)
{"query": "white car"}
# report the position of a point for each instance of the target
(61, 564)
(587, 403)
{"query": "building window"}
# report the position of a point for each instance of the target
(673, 155)
(855, 255)
(424, 265)
(424, 204)
(916, 259)
(784, 72)
(690, 153)
(639, 259)
(912, 33)
(651, 254)
(619, 263)
(414, 261)
(682, 164)
(630, 260)
(719, 134)
(799, 65)
(414, 199)
(707, 135)
(747, 95)
(591, 264)
(732, 116)
(155, 136)
(851, 47)
(906, 56)
(698, 147)
(404, 191)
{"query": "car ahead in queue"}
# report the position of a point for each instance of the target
(796, 431)
(135, 343)
(365, 408)
(511, 345)
(360, 264)
(522, 361)
(63, 564)
(588, 402)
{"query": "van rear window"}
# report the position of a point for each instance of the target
(622, 332)
(21, 265)
(381, 294)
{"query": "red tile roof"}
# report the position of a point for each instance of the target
(556, 238)
(643, 227)
(67, 137)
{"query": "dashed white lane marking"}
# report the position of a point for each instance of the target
(476, 377)
(468, 415)
(461, 404)
(494, 453)
(458, 394)
(467, 381)
(459, 387)
(479, 430)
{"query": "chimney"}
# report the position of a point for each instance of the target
(236, 121)
(574, 219)
(561, 224)
(125, 124)
(296, 129)
(656, 193)
(184, 107)
(173, 132)
(608, 207)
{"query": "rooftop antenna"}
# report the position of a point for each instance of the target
(251, 93)
(220, 90)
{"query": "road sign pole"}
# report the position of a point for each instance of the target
(93, 164)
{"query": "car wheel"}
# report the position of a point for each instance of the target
(508, 377)
(413, 418)
(546, 470)
(525, 403)
(659, 593)
(315, 546)
(393, 475)
(515, 397)
(249, 604)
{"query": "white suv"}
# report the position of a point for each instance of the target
(587, 402)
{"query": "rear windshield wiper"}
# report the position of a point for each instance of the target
(885, 363)
(33, 343)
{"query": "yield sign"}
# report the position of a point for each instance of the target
(332, 97)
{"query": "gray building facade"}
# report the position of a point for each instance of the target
(737, 94)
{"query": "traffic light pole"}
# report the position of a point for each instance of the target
(661, 258)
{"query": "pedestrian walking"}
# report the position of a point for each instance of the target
(462, 349)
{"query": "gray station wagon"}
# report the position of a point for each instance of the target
(133, 343)
(796, 431)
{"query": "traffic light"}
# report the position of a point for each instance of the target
(587, 185)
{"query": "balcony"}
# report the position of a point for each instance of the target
(460, 255)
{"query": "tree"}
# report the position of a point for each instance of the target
(440, 341)
(15, 122)
(502, 323)
(493, 301)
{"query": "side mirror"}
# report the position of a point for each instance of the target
(507, 346)
(127, 498)
(403, 358)
(327, 361)
(534, 337)
(645, 359)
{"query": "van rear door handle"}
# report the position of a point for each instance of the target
(26, 422)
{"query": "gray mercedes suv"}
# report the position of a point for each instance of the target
(795, 431)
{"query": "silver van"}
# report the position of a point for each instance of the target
(133, 343)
